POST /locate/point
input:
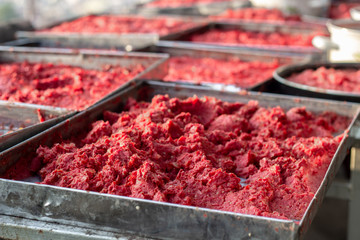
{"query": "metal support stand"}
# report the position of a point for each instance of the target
(354, 204)
(350, 190)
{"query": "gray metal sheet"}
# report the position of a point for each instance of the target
(146, 218)
(182, 38)
(155, 66)
(242, 54)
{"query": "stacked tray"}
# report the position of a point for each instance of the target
(286, 28)
(119, 41)
(153, 63)
(81, 210)
(260, 14)
(244, 55)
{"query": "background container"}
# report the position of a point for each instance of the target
(298, 89)
(154, 67)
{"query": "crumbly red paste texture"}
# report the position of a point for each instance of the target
(61, 85)
(197, 151)
(256, 14)
(121, 24)
(253, 38)
(329, 78)
(232, 71)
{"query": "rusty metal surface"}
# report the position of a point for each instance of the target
(110, 213)
(182, 38)
(154, 64)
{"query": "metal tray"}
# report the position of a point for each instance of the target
(116, 214)
(292, 88)
(199, 9)
(304, 21)
(123, 41)
(325, 19)
(155, 66)
(20, 121)
(183, 38)
(242, 54)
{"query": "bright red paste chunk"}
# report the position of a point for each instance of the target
(121, 24)
(342, 10)
(197, 151)
(179, 3)
(252, 38)
(61, 85)
(347, 80)
(232, 71)
(259, 14)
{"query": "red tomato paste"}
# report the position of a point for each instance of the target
(253, 38)
(346, 80)
(200, 152)
(121, 24)
(232, 71)
(342, 10)
(257, 14)
(60, 85)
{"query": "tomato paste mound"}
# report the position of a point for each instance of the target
(342, 10)
(346, 80)
(61, 85)
(257, 14)
(253, 38)
(232, 71)
(180, 3)
(121, 24)
(200, 152)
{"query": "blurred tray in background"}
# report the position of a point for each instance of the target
(253, 27)
(130, 40)
(152, 67)
(337, 10)
(245, 55)
(298, 89)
